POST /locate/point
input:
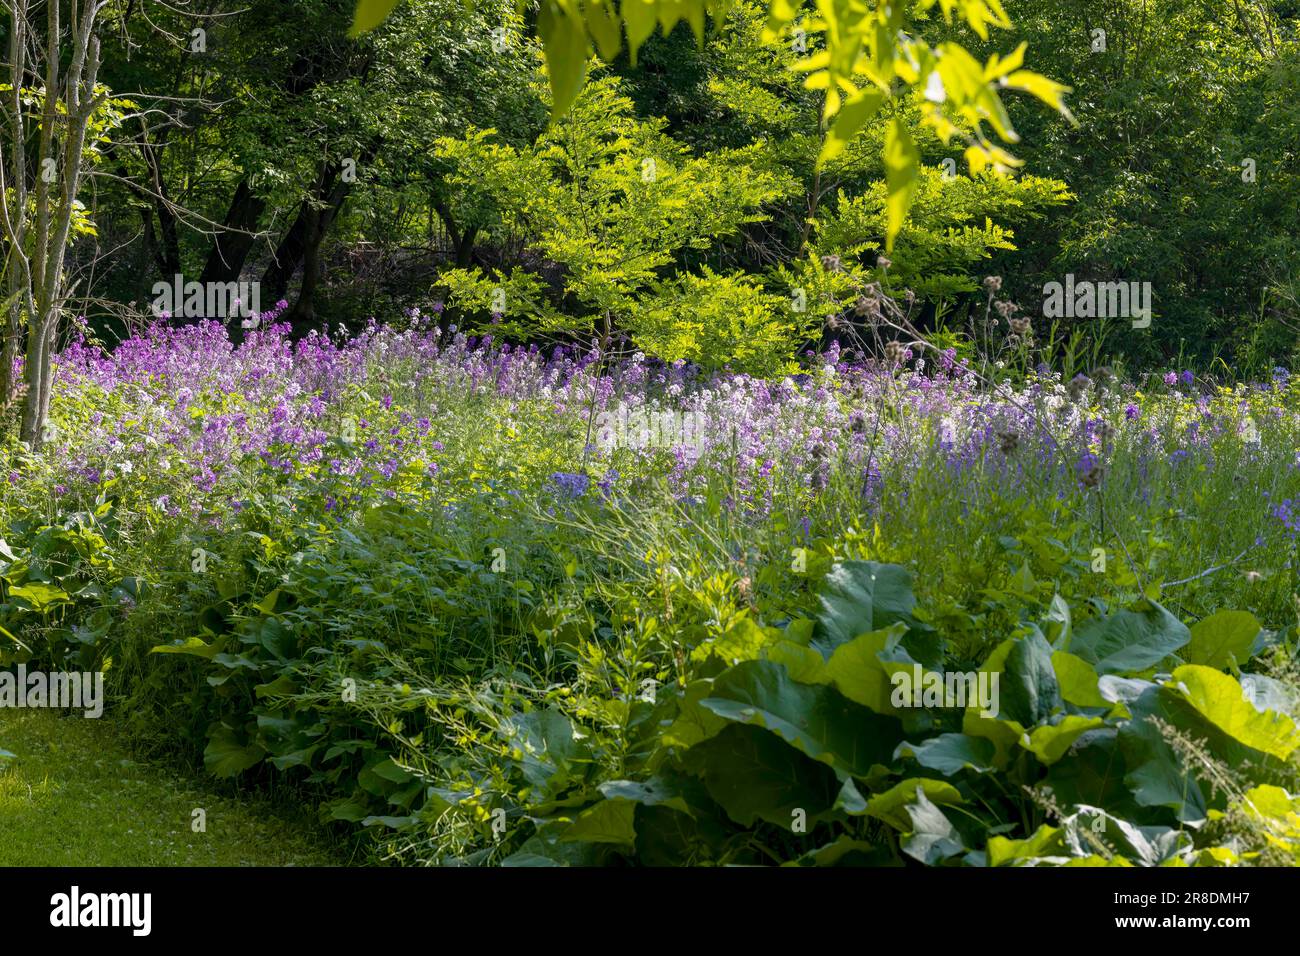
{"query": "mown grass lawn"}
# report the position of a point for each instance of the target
(72, 795)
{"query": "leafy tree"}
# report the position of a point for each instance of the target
(868, 54)
(617, 206)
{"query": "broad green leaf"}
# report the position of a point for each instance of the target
(1077, 680)
(817, 720)
(1129, 642)
(931, 837)
(1050, 742)
(1220, 699)
(655, 792)
(845, 848)
(609, 821)
(862, 596)
(227, 756)
(891, 806)
(1046, 842)
(1156, 775)
(40, 595)
(857, 671)
(950, 753)
(755, 775)
(192, 646)
(1222, 638)
(1028, 690)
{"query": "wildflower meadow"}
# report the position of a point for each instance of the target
(435, 437)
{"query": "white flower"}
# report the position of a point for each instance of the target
(126, 467)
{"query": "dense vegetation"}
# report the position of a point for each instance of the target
(609, 443)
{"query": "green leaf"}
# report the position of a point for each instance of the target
(279, 687)
(655, 792)
(226, 755)
(855, 111)
(609, 821)
(1028, 691)
(950, 753)
(1046, 842)
(1222, 638)
(1077, 680)
(603, 24)
(193, 646)
(1129, 642)
(859, 673)
(1050, 742)
(862, 596)
(932, 837)
(369, 14)
(817, 720)
(564, 39)
(1156, 775)
(1220, 699)
(891, 806)
(902, 169)
(640, 17)
(754, 775)
(40, 595)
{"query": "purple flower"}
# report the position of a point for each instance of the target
(1131, 412)
(570, 484)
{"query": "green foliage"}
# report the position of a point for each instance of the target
(613, 202)
(771, 760)
(866, 53)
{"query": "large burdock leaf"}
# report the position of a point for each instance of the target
(1090, 829)
(609, 821)
(1129, 642)
(891, 806)
(815, 719)
(1050, 742)
(1077, 680)
(933, 838)
(1220, 700)
(1222, 638)
(950, 753)
(1156, 776)
(1027, 687)
(228, 756)
(862, 596)
(754, 775)
(862, 668)
(1047, 845)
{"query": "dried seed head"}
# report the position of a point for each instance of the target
(1094, 475)
(832, 264)
(868, 305)
(993, 284)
